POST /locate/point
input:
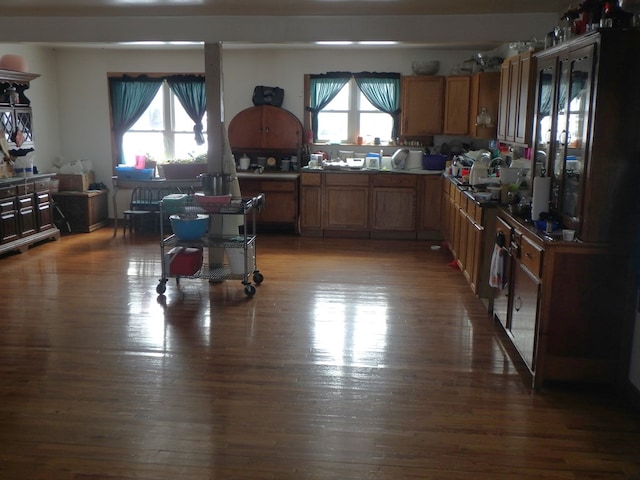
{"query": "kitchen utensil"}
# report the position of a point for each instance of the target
(215, 183)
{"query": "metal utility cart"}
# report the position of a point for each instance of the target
(197, 204)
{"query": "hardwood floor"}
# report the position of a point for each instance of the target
(354, 360)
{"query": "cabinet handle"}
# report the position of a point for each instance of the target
(517, 305)
(528, 255)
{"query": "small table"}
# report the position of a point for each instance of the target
(186, 185)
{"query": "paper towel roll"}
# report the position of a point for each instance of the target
(414, 161)
(541, 196)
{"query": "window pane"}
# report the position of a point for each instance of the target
(185, 146)
(141, 143)
(376, 125)
(152, 118)
(181, 120)
(332, 126)
(341, 100)
(366, 105)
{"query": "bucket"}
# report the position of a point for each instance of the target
(236, 259)
(214, 184)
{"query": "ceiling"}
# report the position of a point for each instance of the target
(47, 8)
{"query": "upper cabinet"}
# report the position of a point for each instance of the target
(517, 77)
(586, 132)
(422, 103)
(456, 112)
(15, 108)
(265, 127)
(485, 91)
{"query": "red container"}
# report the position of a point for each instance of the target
(182, 261)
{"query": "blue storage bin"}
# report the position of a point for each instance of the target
(132, 173)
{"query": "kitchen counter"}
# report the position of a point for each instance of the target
(348, 170)
(5, 182)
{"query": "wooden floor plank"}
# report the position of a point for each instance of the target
(358, 359)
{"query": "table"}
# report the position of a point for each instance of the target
(184, 185)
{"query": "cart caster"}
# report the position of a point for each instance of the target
(249, 290)
(258, 278)
(162, 287)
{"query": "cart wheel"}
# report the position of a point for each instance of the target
(250, 290)
(162, 287)
(258, 277)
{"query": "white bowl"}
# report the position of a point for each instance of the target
(427, 67)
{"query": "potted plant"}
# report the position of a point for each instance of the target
(184, 168)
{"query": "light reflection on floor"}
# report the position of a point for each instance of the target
(350, 332)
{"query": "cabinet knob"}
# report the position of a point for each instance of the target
(517, 304)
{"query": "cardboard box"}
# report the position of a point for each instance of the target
(77, 182)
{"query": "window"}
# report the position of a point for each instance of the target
(350, 115)
(164, 131)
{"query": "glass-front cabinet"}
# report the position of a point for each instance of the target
(586, 130)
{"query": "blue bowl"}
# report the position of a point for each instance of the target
(542, 225)
(189, 228)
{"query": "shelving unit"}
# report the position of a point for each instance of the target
(219, 271)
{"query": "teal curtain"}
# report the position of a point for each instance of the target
(383, 91)
(323, 88)
(190, 90)
(130, 97)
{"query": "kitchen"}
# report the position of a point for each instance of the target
(73, 100)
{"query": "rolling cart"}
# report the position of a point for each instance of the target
(189, 259)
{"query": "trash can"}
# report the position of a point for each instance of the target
(236, 259)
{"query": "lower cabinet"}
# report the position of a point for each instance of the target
(25, 213)
(524, 314)
(393, 203)
(311, 204)
(468, 228)
(281, 199)
(346, 204)
(562, 328)
(370, 205)
(84, 211)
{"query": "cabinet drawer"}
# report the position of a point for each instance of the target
(25, 201)
(531, 256)
(7, 205)
(7, 192)
(42, 197)
(386, 180)
(277, 186)
(313, 179)
(347, 179)
(41, 185)
(26, 188)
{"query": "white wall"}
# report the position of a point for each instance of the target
(83, 97)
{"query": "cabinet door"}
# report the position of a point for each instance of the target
(524, 314)
(394, 209)
(503, 107)
(429, 203)
(422, 104)
(573, 164)
(26, 215)
(281, 129)
(485, 91)
(523, 123)
(512, 102)
(545, 98)
(456, 113)
(245, 129)
(475, 235)
(346, 202)
(44, 213)
(310, 208)
(8, 220)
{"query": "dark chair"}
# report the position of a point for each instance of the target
(139, 209)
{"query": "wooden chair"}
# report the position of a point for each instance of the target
(139, 209)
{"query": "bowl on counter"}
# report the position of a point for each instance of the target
(482, 196)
